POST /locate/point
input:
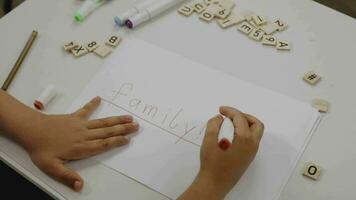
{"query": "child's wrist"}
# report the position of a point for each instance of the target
(26, 132)
(209, 185)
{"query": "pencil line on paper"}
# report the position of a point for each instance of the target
(187, 132)
(151, 123)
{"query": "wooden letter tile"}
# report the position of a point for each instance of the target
(269, 40)
(91, 46)
(245, 27)
(70, 45)
(259, 20)
(321, 105)
(269, 28)
(311, 77)
(227, 4)
(206, 16)
(199, 7)
(79, 51)
(223, 13)
(208, 2)
(113, 41)
(231, 20)
(283, 46)
(186, 10)
(253, 23)
(312, 171)
(103, 51)
(256, 34)
(248, 15)
(280, 25)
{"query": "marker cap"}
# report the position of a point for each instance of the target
(137, 19)
(88, 7)
(226, 134)
(121, 18)
(46, 96)
(38, 105)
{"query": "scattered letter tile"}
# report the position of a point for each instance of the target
(227, 4)
(280, 25)
(199, 7)
(206, 16)
(231, 20)
(245, 28)
(269, 28)
(79, 51)
(284, 46)
(312, 171)
(311, 77)
(91, 46)
(103, 51)
(186, 10)
(70, 45)
(321, 105)
(113, 41)
(269, 40)
(259, 20)
(256, 34)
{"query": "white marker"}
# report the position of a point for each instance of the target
(88, 7)
(226, 134)
(46, 96)
(121, 18)
(151, 11)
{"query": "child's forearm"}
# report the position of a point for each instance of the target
(203, 187)
(16, 118)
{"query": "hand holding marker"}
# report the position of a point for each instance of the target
(157, 8)
(140, 14)
(226, 134)
(88, 7)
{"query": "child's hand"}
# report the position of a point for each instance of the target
(57, 139)
(221, 169)
(225, 167)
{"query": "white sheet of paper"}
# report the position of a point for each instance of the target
(172, 98)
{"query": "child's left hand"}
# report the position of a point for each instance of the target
(57, 139)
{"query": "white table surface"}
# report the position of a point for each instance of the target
(332, 146)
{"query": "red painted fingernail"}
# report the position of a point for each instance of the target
(224, 144)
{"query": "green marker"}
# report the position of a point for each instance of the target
(88, 7)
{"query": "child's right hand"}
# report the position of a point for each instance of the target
(221, 169)
(225, 167)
